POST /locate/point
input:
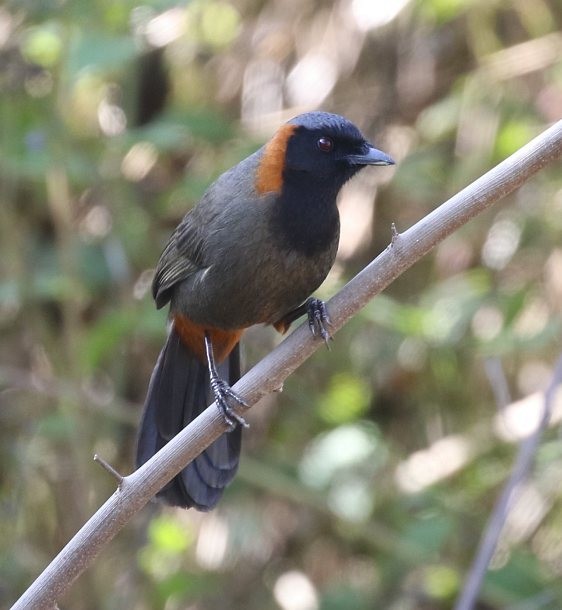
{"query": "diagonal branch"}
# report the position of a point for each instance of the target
(406, 249)
(520, 471)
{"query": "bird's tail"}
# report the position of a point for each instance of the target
(179, 391)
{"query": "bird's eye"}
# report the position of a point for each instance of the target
(325, 144)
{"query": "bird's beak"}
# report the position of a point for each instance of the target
(373, 156)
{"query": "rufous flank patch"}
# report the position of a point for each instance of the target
(193, 337)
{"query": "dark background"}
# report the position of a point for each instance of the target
(367, 482)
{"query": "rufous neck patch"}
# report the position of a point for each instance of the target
(269, 175)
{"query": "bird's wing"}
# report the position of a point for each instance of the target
(181, 258)
(224, 207)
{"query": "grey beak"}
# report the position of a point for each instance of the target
(373, 156)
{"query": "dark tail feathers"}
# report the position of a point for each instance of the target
(179, 391)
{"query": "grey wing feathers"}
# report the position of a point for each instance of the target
(180, 259)
(188, 250)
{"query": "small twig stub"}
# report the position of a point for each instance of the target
(109, 468)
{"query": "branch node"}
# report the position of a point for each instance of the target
(109, 468)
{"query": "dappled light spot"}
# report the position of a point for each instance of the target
(412, 354)
(143, 284)
(352, 498)
(97, 223)
(501, 243)
(166, 27)
(429, 466)
(333, 452)
(369, 15)
(520, 419)
(111, 118)
(356, 210)
(528, 508)
(294, 591)
(212, 542)
(312, 80)
(140, 159)
(262, 89)
(532, 320)
(487, 322)
(553, 276)
(547, 544)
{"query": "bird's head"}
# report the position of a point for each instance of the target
(319, 146)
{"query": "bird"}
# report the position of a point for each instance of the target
(259, 242)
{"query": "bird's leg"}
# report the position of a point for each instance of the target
(223, 391)
(318, 318)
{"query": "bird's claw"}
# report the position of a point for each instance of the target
(318, 319)
(223, 392)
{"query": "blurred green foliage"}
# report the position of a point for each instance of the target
(367, 482)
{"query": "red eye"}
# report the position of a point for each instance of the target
(325, 144)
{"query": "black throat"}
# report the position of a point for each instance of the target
(305, 217)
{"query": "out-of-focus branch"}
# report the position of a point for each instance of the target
(521, 467)
(529, 56)
(406, 248)
(19, 379)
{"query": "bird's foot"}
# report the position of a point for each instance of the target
(223, 392)
(318, 319)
